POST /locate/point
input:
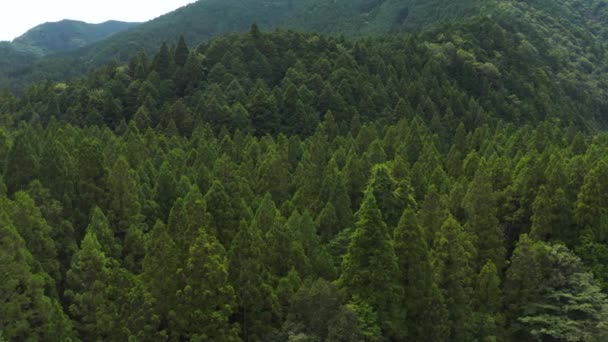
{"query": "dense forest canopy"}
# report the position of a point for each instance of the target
(444, 185)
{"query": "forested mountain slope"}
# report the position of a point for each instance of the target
(446, 185)
(66, 35)
(289, 186)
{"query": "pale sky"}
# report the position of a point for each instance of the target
(18, 16)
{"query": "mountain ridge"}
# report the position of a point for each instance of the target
(200, 21)
(66, 35)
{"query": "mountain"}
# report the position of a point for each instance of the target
(431, 172)
(203, 20)
(66, 35)
(200, 21)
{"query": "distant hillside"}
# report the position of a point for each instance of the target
(66, 35)
(200, 21)
(572, 27)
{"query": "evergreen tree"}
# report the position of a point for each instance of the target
(163, 63)
(257, 305)
(224, 212)
(105, 236)
(435, 320)
(187, 216)
(22, 163)
(165, 190)
(181, 52)
(206, 301)
(370, 266)
(453, 262)
(522, 283)
(390, 197)
(312, 310)
(591, 206)
(416, 271)
(37, 234)
(86, 286)
(124, 206)
(480, 209)
(26, 313)
(159, 272)
(488, 304)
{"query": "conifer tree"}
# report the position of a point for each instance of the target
(390, 197)
(257, 305)
(453, 263)
(415, 269)
(356, 175)
(86, 286)
(181, 52)
(488, 304)
(26, 313)
(333, 190)
(370, 266)
(224, 212)
(159, 268)
(187, 216)
(22, 163)
(37, 234)
(206, 300)
(124, 206)
(480, 209)
(163, 62)
(105, 236)
(591, 210)
(434, 324)
(165, 190)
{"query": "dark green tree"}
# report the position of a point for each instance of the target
(257, 305)
(480, 209)
(86, 285)
(454, 255)
(416, 271)
(206, 300)
(26, 313)
(370, 267)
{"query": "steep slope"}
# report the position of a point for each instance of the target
(13, 62)
(569, 26)
(200, 21)
(67, 35)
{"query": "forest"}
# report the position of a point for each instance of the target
(445, 185)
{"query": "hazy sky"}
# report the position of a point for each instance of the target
(18, 16)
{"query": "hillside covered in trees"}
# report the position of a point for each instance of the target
(574, 26)
(445, 185)
(66, 35)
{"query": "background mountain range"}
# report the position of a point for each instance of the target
(66, 35)
(76, 48)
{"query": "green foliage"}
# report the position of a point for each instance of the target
(291, 186)
(27, 312)
(206, 301)
(66, 35)
(562, 301)
(416, 271)
(453, 262)
(370, 265)
(87, 282)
